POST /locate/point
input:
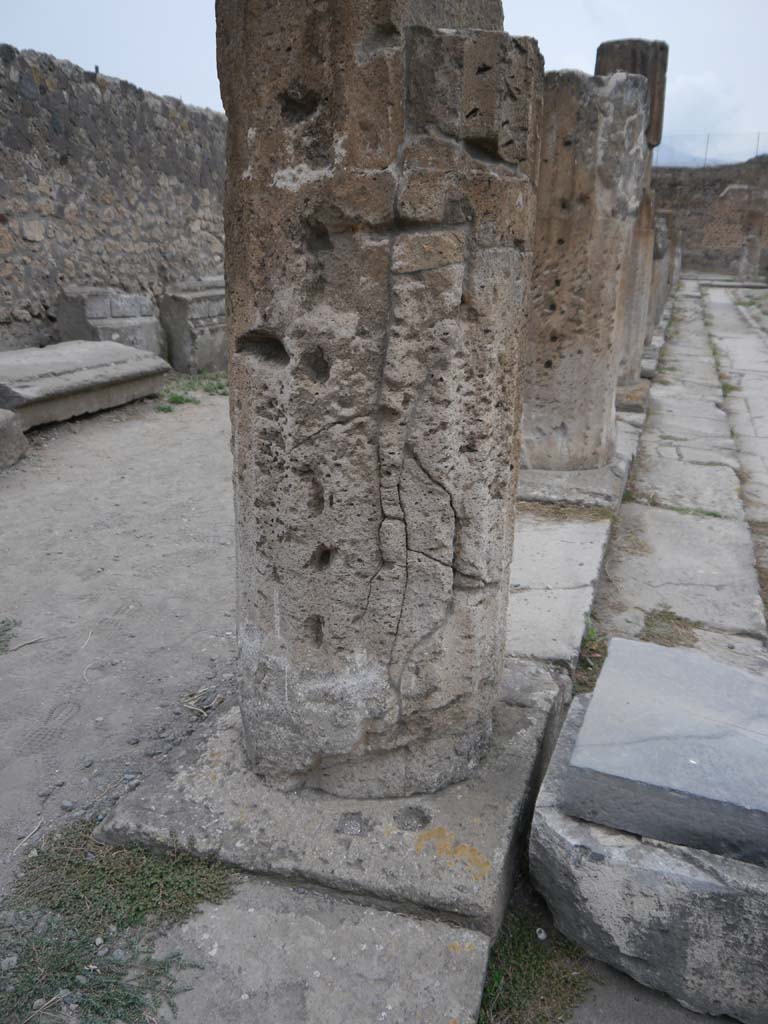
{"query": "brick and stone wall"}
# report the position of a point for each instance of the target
(723, 215)
(102, 184)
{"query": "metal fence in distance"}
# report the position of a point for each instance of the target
(710, 149)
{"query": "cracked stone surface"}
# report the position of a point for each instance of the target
(689, 923)
(379, 225)
(593, 159)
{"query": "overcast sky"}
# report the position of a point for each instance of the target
(717, 74)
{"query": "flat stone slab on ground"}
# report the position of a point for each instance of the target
(279, 955)
(697, 567)
(689, 923)
(555, 567)
(453, 851)
(713, 490)
(13, 444)
(674, 746)
(46, 385)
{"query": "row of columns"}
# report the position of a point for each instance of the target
(426, 239)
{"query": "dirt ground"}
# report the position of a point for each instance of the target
(117, 555)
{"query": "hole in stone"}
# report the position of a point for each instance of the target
(483, 69)
(548, 364)
(315, 627)
(473, 112)
(298, 104)
(412, 818)
(553, 337)
(263, 345)
(318, 238)
(552, 307)
(567, 142)
(561, 241)
(316, 365)
(557, 282)
(322, 556)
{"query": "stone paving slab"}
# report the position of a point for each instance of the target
(686, 922)
(555, 568)
(454, 851)
(280, 955)
(13, 444)
(699, 568)
(46, 385)
(675, 484)
(674, 746)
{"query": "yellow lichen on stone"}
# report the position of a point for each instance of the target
(446, 848)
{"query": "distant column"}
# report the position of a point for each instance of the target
(648, 58)
(379, 224)
(590, 188)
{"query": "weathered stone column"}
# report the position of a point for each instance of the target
(379, 215)
(660, 276)
(648, 58)
(590, 187)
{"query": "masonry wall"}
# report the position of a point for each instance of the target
(100, 183)
(723, 213)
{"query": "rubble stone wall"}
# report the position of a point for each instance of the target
(102, 184)
(722, 214)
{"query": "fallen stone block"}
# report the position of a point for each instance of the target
(13, 444)
(193, 316)
(292, 956)
(454, 851)
(689, 923)
(674, 746)
(105, 314)
(47, 385)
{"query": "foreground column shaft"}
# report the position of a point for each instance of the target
(590, 188)
(379, 217)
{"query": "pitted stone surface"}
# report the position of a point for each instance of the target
(45, 385)
(590, 189)
(193, 317)
(377, 288)
(278, 955)
(455, 851)
(690, 923)
(674, 745)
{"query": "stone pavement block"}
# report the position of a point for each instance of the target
(548, 624)
(453, 851)
(280, 955)
(698, 567)
(674, 745)
(555, 567)
(47, 385)
(689, 923)
(13, 444)
(675, 484)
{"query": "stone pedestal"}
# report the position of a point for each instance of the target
(646, 57)
(193, 317)
(379, 217)
(590, 190)
(106, 314)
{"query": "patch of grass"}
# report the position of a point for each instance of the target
(662, 626)
(531, 981)
(561, 511)
(181, 388)
(82, 917)
(594, 648)
(91, 885)
(7, 633)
